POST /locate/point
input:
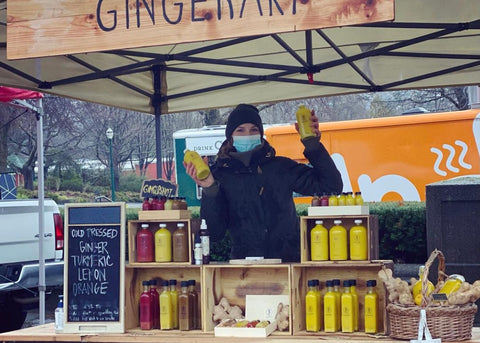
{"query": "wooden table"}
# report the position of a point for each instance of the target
(46, 333)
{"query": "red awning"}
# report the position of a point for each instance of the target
(8, 94)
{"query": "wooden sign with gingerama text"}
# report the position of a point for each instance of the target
(37, 28)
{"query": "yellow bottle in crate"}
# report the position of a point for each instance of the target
(338, 242)
(347, 308)
(319, 242)
(311, 308)
(330, 311)
(163, 244)
(353, 290)
(371, 308)
(358, 241)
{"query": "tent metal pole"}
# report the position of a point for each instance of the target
(157, 105)
(41, 213)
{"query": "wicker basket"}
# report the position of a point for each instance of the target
(450, 323)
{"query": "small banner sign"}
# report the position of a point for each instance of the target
(37, 28)
(158, 188)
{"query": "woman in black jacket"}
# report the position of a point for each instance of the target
(249, 190)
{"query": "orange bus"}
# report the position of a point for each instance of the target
(393, 158)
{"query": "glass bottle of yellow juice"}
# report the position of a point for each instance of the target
(311, 308)
(330, 311)
(371, 308)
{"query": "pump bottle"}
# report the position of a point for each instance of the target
(205, 240)
(59, 315)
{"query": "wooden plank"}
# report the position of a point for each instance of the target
(54, 27)
(46, 333)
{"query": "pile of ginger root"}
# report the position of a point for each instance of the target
(223, 310)
(400, 291)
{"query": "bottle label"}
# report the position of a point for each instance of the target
(205, 245)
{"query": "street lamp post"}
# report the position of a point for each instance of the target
(112, 175)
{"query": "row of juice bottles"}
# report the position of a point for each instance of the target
(164, 203)
(171, 308)
(164, 246)
(338, 310)
(336, 244)
(342, 199)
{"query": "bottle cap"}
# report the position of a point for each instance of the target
(346, 283)
(353, 282)
(337, 222)
(165, 283)
(180, 225)
(144, 225)
(173, 282)
(191, 282)
(371, 283)
(311, 283)
(329, 283)
(162, 225)
(336, 282)
(145, 283)
(319, 222)
(358, 221)
(203, 226)
(184, 283)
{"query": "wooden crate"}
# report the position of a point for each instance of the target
(135, 225)
(361, 272)
(234, 282)
(133, 288)
(308, 222)
(164, 214)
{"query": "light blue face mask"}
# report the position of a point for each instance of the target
(246, 143)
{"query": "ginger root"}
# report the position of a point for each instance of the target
(223, 311)
(467, 293)
(282, 317)
(398, 290)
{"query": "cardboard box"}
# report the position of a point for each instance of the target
(258, 307)
(338, 210)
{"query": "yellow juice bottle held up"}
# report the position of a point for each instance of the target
(320, 304)
(174, 298)
(371, 308)
(163, 244)
(337, 238)
(319, 242)
(202, 168)
(303, 120)
(353, 290)
(347, 308)
(330, 312)
(358, 241)
(311, 308)
(165, 307)
(417, 288)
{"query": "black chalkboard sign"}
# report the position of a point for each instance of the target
(94, 267)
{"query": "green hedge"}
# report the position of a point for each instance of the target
(402, 231)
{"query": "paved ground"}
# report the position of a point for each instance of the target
(33, 317)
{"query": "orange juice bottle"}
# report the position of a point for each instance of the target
(358, 241)
(202, 169)
(338, 242)
(319, 242)
(303, 119)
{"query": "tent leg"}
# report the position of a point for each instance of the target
(41, 214)
(157, 105)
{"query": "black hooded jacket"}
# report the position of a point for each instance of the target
(254, 203)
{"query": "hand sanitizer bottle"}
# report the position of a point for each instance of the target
(59, 315)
